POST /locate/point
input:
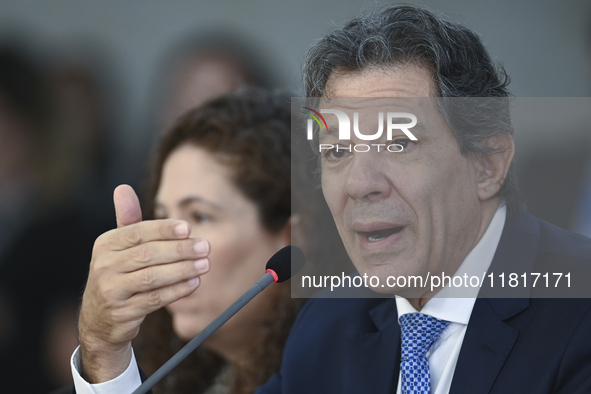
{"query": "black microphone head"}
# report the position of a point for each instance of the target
(286, 262)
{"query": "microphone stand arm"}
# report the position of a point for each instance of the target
(175, 360)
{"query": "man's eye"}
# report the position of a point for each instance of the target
(336, 153)
(404, 143)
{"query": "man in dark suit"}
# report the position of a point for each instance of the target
(512, 345)
(433, 209)
(443, 201)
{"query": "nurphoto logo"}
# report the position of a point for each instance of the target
(393, 120)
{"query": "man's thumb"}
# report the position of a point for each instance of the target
(127, 206)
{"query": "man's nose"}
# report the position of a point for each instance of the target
(365, 178)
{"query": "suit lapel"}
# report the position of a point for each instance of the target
(489, 340)
(486, 346)
(373, 358)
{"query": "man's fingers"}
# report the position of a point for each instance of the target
(148, 302)
(160, 252)
(127, 206)
(160, 276)
(147, 231)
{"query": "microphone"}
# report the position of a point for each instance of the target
(280, 267)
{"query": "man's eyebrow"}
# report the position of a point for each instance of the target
(420, 127)
(402, 119)
(331, 131)
(334, 129)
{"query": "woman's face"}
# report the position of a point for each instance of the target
(197, 188)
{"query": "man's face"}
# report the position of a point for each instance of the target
(406, 213)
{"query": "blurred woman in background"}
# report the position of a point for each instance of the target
(225, 168)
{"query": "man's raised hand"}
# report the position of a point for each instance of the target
(135, 269)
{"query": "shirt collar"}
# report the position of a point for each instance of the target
(458, 310)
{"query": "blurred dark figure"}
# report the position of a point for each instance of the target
(583, 222)
(557, 182)
(557, 186)
(195, 69)
(205, 66)
(46, 235)
(82, 151)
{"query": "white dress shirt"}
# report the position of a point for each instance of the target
(125, 383)
(442, 356)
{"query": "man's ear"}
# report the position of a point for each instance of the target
(493, 168)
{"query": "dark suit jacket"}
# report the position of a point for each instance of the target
(512, 345)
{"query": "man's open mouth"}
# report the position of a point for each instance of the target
(378, 235)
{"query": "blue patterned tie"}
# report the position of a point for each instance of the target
(419, 331)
